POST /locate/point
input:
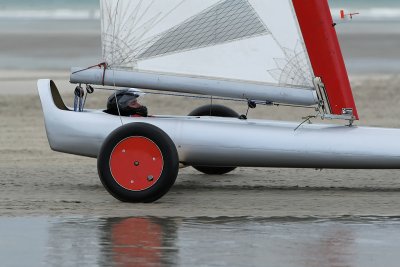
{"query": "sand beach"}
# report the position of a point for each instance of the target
(36, 182)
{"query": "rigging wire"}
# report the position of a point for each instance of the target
(113, 71)
(116, 100)
(265, 103)
(211, 105)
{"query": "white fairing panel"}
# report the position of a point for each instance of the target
(255, 41)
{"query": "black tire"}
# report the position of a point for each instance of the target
(214, 170)
(169, 170)
(216, 111)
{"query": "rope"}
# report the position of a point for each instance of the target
(89, 90)
(306, 119)
(100, 65)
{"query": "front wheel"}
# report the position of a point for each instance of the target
(138, 162)
(215, 111)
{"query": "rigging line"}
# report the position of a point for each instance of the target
(168, 13)
(100, 65)
(113, 19)
(148, 25)
(113, 34)
(174, 94)
(211, 105)
(282, 48)
(138, 31)
(131, 37)
(208, 97)
(131, 42)
(84, 101)
(106, 14)
(151, 23)
(112, 56)
(131, 17)
(102, 20)
(293, 106)
(123, 21)
(298, 63)
(306, 119)
(247, 111)
(138, 17)
(116, 100)
(135, 13)
(109, 14)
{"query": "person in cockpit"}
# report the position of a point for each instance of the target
(127, 103)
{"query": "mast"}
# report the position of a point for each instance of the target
(323, 48)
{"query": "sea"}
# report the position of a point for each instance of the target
(374, 10)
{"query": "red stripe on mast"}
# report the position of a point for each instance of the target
(323, 48)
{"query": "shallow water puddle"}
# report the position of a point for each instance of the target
(150, 241)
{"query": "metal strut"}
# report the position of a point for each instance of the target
(324, 106)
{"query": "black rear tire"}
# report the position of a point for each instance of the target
(162, 143)
(214, 170)
(215, 111)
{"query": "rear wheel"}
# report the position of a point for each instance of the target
(216, 111)
(138, 162)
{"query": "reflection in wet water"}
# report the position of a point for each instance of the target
(199, 242)
(139, 242)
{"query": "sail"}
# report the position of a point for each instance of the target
(250, 41)
(282, 51)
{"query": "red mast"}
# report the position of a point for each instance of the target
(323, 48)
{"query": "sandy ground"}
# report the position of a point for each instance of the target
(36, 181)
(61, 214)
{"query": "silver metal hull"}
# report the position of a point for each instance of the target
(213, 141)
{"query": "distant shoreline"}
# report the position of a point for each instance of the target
(61, 49)
(366, 13)
(368, 47)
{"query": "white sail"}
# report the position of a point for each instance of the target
(246, 40)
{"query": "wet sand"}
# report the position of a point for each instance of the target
(199, 241)
(36, 181)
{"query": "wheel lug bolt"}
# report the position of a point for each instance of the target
(136, 163)
(150, 178)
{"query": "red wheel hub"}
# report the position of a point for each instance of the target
(136, 163)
